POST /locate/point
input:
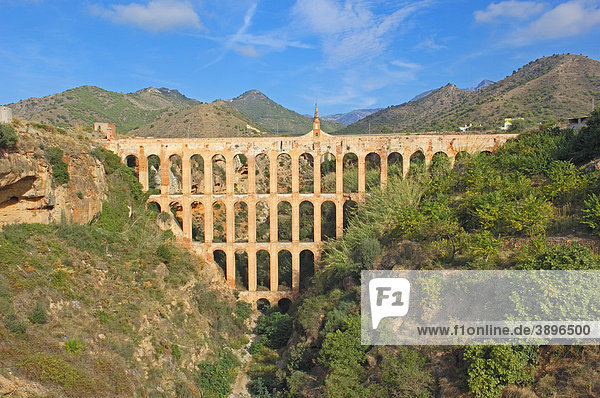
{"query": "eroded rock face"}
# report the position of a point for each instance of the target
(27, 193)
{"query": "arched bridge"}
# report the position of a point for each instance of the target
(262, 206)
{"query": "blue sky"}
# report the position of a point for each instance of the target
(344, 54)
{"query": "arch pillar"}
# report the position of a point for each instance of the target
(295, 173)
(251, 205)
(274, 267)
(251, 174)
(143, 168)
(186, 170)
(229, 173)
(208, 177)
(187, 220)
(428, 159)
(295, 268)
(208, 219)
(405, 164)
(339, 173)
(317, 173)
(164, 171)
(251, 251)
(361, 173)
(230, 261)
(317, 220)
(295, 219)
(383, 169)
(452, 159)
(339, 217)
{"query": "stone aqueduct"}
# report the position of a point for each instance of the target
(315, 145)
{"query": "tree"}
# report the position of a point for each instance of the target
(8, 136)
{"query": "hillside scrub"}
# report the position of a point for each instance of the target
(529, 205)
(114, 308)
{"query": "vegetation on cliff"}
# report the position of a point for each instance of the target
(114, 308)
(530, 205)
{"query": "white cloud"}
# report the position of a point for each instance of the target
(408, 65)
(520, 10)
(350, 31)
(567, 19)
(430, 44)
(155, 16)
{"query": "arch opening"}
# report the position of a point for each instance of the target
(241, 270)
(153, 206)
(284, 221)
(263, 270)
(240, 210)
(350, 172)
(197, 174)
(220, 258)
(197, 222)
(263, 222)
(219, 222)
(440, 164)
(460, 159)
(394, 165)
(307, 222)
(307, 268)
(154, 181)
(263, 305)
(177, 213)
(132, 162)
(306, 169)
(284, 305)
(284, 173)
(372, 171)
(284, 266)
(219, 174)
(417, 165)
(240, 174)
(328, 221)
(261, 165)
(175, 175)
(328, 173)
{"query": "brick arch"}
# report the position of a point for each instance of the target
(305, 152)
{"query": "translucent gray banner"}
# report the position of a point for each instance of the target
(453, 307)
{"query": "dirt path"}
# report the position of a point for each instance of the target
(239, 389)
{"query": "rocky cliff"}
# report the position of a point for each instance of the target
(28, 192)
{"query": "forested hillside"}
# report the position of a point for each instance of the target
(533, 204)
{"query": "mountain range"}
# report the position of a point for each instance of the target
(547, 89)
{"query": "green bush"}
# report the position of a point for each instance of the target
(275, 329)
(14, 324)
(74, 346)
(490, 368)
(38, 314)
(8, 136)
(243, 310)
(60, 169)
(214, 378)
(591, 213)
(366, 252)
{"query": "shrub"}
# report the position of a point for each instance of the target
(14, 324)
(591, 213)
(8, 137)
(176, 352)
(214, 378)
(275, 328)
(60, 169)
(243, 310)
(38, 314)
(366, 252)
(74, 346)
(490, 368)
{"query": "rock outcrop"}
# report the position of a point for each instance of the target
(28, 193)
